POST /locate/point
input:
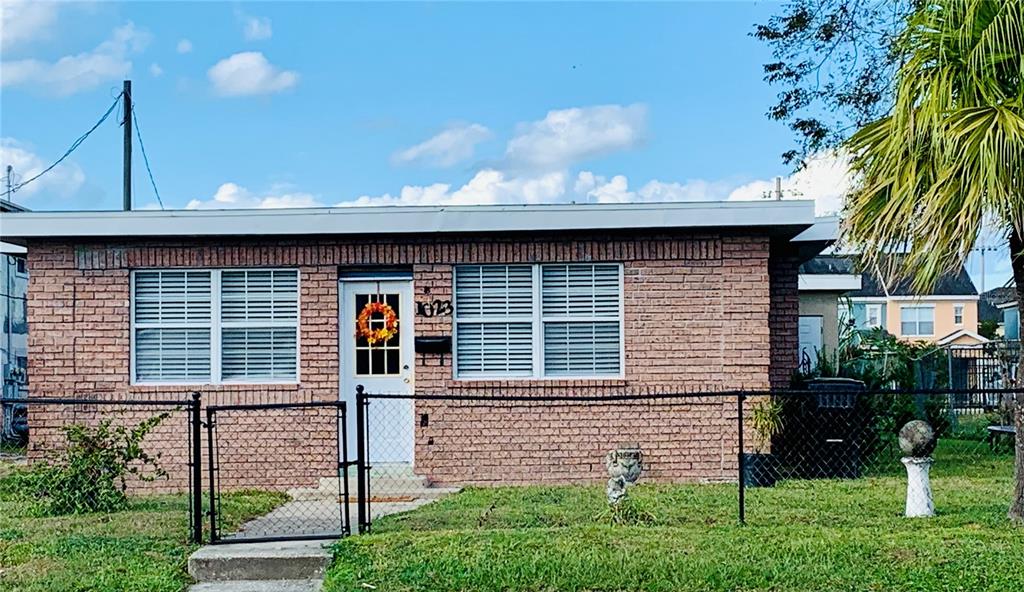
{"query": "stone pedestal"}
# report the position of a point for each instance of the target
(919, 487)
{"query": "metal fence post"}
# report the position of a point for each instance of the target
(741, 460)
(213, 501)
(361, 500)
(197, 468)
(344, 465)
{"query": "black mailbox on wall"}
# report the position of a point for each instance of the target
(441, 344)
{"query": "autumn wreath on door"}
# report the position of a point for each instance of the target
(382, 334)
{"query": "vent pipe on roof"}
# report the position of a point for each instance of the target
(778, 188)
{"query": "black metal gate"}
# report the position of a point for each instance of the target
(297, 452)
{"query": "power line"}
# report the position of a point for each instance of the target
(145, 159)
(76, 144)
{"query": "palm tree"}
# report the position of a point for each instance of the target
(947, 162)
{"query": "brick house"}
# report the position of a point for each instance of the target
(254, 306)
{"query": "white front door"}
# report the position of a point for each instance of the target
(382, 368)
(810, 338)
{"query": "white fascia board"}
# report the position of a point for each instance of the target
(825, 228)
(828, 282)
(9, 249)
(1005, 305)
(420, 220)
(962, 333)
(921, 299)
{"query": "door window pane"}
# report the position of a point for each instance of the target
(381, 358)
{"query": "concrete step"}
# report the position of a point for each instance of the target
(288, 560)
(259, 586)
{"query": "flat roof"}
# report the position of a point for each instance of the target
(788, 217)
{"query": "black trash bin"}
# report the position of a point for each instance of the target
(823, 434)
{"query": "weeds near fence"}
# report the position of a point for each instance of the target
(90, 473)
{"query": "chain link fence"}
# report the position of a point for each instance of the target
(102, 453)
(758, 456)
(297, 450)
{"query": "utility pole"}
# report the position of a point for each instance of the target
(982, 250)
(126, 96)
(10, 187)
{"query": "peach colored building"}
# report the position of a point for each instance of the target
(947, 314)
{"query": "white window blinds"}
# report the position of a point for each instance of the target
(494, 311)
(259, 313)
(546, 320)
(172, 326)
(213, 326)
(581, 311)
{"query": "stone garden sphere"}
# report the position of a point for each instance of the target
(917, 439)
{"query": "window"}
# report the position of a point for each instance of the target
(917, 320)
(213, 326)
(958, 314)
(538, 320)
(873, 316)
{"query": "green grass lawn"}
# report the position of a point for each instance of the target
(800, 535)
(143, 549)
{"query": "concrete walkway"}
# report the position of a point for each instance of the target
(292, 566)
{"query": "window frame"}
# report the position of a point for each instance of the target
(958, 314)
(20, 266)
(537, 326)
(917, 321)
(877, 307)
(216, 326)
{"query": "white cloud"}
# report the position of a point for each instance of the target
(826, 179)
(156, 70)
(232, 195)
(249, 73)
(571, 135)
(184, 46)
(25, 20)
(63, 180)
(254, 28)
(488, 186)
(597, 189)
(73, 73)
(455, 144)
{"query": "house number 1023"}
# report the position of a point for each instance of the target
(436, 308)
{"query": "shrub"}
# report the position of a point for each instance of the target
(90, 473)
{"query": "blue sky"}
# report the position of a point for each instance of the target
(274, 104)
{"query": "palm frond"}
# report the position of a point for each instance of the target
(949, 158)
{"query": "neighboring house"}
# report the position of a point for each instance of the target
(990, 306)
(14, 339)
(824, 281)
(1011, 319)
(261, 306)
(946, 315)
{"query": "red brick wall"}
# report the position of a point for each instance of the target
(696, 318)
(784, 317)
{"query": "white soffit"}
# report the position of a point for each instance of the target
(829, 282)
